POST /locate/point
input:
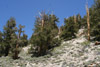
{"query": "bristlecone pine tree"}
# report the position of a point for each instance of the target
(44, 36)
(95, 20)
(9, 41)
(70, 28)
(18, 41)
(9, 30)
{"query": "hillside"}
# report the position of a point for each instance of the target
(77, 52)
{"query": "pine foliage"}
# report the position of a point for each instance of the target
(44, 36)
(10, 41)
(95, 20)
(70, 28)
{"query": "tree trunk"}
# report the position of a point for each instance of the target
(16, 53)
(42, 24)
(16, 49)
(7, 51)
(74, 19)
(88, 22)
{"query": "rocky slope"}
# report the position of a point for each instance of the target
(77, 52)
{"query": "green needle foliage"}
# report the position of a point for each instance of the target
(18, 42)
(70, 28)
(2, 45)
(10, 42)
(9, 30)
(95, 20)
(44, 37)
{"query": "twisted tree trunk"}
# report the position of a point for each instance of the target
(17, 45)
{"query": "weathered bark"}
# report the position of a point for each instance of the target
(42, 24)
(88, 22)
(40, 48)
(74, 19)
(16, 53)
(79, 17)
(17, 45)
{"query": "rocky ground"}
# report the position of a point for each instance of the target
(77, 52)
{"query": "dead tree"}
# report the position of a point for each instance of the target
(88, 22)
(74, 19)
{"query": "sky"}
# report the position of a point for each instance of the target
(25, 11)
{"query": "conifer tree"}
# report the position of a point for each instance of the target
(70, 28)
(44, 34)
(18, 41)
(95, 20)
(10, 42)
(9, 30)
(79, 21)
(1, 44)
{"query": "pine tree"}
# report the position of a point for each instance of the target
(70, 28)
(79, 21)
(9, 30)
(95, 20)
(1, 44)
(44, 34)
(10, 41)
(18, 42)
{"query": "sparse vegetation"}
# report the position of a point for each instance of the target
(44, 36)
(51, 44)
(10, 41)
